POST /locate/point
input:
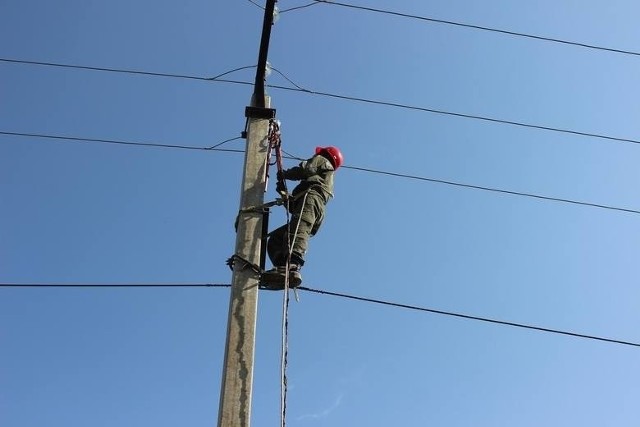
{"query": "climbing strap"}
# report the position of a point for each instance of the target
(231, 262)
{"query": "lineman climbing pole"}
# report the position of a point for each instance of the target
(237, 375)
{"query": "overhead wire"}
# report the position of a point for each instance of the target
(480, 187)
(495, 190)
(256, 4)
(476, 27)
(300, 89)
(115, 285)
(468, 317)
(344, 296)
(357, 168)
(456, 114)
(299, 7)
(126, 71)
(121, 142)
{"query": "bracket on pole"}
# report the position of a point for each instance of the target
(260, 113)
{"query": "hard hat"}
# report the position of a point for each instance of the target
(333, 154)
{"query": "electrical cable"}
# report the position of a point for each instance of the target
(478, 27)
(455, 114)
(347, 98)
(468, 317)
(125, 71)
(368, 170)
(256, 4)
(345, 296)
(299, 7)
(115, 285)
(288, 79)
(120, 142)
(495, 190)
(231, 71)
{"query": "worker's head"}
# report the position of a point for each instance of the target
(332, 154)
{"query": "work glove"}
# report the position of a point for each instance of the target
(280, 187)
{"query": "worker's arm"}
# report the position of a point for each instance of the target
(308, 168)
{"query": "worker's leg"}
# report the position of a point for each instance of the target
(277, 246)
(305, 225)
(305, 221)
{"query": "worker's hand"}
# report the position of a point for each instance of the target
(280, 176)
(281, 188)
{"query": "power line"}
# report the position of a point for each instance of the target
(477, 27)
(120, 142)
(495, 190)
(368, 170)
(334, 294)
(256, 4)
(462, 115)
(124, 71)
(344, 97)
(468, 317)
(300, 7)
(115, 285)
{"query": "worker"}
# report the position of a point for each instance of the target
(307, 204)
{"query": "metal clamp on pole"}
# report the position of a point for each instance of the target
(260, 113)
(262, 208)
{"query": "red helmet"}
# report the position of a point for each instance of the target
(333, 154)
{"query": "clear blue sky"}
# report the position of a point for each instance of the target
(80, 212)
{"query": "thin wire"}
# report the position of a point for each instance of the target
(302, 89)
(284, 353)
(478, 27)
(256, 4)
(124, 71)
(339, 295)
(223, 142)
(347, 98)
(231, 71)
(120, 142)
(399, 175)
(291, 156)
(495, 190)
(299, 88)
(449, 113)
(300, 7)
(115, 285)
(288, 79)
(468, 317)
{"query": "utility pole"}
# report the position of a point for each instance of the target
(237, 375)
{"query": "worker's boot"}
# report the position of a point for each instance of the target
(295, 278)
(275, 278)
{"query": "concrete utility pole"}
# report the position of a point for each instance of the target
(237, 375)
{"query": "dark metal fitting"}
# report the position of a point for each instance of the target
(260, 113)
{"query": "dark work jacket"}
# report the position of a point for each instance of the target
(315, 175)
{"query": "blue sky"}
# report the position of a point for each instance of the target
(89, 213)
